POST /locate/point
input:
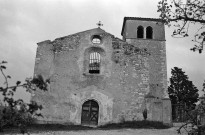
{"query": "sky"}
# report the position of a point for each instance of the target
(23, 23)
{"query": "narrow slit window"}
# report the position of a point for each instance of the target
(94, 63)
(140, 32)
(149, 33)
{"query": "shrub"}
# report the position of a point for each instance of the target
(16, 112)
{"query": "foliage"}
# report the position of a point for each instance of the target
(195, 119)
(193, 124)
(203, 88)
(16, 112)
(183, 14)
(181, 90)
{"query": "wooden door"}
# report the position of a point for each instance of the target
(90, 110)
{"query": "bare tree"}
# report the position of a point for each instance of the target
(184, 14)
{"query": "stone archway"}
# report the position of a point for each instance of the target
(90, 112)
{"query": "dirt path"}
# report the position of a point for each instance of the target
(170, 131)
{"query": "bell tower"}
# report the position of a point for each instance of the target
(149, 34)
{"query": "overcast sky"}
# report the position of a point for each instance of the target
(23, 23)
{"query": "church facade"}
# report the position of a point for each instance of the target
(96, 78)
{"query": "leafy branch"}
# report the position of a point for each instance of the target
(17, 112)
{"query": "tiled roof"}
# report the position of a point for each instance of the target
(139, 18)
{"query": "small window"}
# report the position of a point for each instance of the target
(96, 39)
(94, 63)
(149, 32)
(140, 32)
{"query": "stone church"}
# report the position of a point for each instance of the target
(96, 78)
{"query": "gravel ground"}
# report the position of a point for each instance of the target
(170, 131)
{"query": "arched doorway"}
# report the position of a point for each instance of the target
(90, 111)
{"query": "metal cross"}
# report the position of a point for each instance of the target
(99, 24)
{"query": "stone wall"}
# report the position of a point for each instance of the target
(126, 77)
(155, 99)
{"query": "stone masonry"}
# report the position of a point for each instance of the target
(132, 76)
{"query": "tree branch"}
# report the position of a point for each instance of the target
(187, 19)
(6, 79)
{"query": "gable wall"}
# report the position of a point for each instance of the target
(119, 89)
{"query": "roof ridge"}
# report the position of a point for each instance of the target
(142, 18)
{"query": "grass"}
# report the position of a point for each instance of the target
(135, 125)
(36, 128)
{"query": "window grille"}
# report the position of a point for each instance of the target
(94, 63)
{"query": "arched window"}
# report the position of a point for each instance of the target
(140, 32)
(94, 63)
(149, 32)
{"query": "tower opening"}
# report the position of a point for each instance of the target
(149, 33)
(140, 32)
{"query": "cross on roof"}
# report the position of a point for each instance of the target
(99, 24)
